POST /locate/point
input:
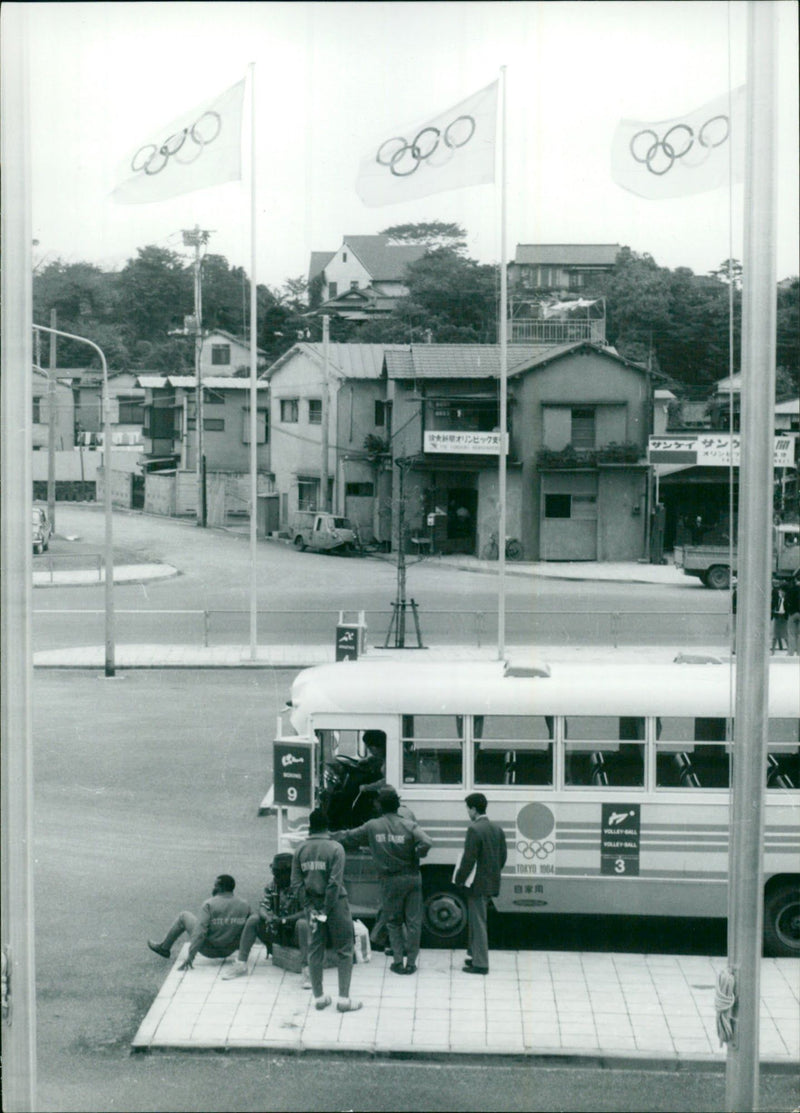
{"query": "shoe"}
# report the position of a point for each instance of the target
(388, 951)
(348, 1005)
(410, 969)
(468, 962)
(397, 968)
(474, 969)
(158, 948)
(306, 976)
(236, 970)
(321, 1002)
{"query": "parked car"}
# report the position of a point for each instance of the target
(42, 530)
(324, 532)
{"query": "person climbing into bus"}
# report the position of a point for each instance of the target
(396, 845)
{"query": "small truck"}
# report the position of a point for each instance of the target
(711, 563)
(324, 532)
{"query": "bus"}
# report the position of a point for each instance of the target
(612, 783)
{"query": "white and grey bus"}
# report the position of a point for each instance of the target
(611, 783)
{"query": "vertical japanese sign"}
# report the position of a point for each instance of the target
(619, 840)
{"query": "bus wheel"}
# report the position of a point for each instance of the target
(444, 915)
(782, 920)
(299, 543)
(719, 577)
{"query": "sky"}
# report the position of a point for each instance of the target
(330, 77)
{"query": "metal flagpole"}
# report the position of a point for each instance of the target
(324, 432)
(503, 337)
(745, 893)
(18, 1024)
(253, 373)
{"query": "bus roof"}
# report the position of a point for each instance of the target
(483, 688)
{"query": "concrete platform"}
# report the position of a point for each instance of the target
(622, 1006)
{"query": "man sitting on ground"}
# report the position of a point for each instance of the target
(215, 933)
(280, 919)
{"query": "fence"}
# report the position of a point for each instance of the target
(564, 626)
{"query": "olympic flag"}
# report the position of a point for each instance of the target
(688, 154)
(202, 148)
(448, 151)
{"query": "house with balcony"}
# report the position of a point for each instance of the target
(550, 292)
(363, 279)
(359, 423)
(577, 485)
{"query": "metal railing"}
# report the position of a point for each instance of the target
(565, 626)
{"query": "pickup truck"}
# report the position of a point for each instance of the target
(711, 563)
(324, 532)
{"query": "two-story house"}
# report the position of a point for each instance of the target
(364, 278)
(550, 289)
(577, 475)
(224, 354)
(359, 432)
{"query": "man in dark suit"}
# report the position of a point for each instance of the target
(485, 850)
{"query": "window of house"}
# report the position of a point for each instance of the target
(354, 284)
(131, 410)
(558, 506)
(214, 424)
(220, 354)
(383, 413)
(333, 289)
(575, 280)
(359, 490)
(289, 410)
(261, 425)
(315, 411)
(307, 493)
(213, 397)
(583, 428)
(344, 256)
(37, 410)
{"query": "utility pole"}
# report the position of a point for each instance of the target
(323, 471)
(197, 238)
(51, 431)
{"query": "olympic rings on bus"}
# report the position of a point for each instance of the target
(530, 850)
(403, 158)
(660, 155)
(152, 158)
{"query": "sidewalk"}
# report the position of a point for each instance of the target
(641, 1008)
(123, 574)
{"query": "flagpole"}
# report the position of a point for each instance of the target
(756, 475)
(253, 373)
(503, 337)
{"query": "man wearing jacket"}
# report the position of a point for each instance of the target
(397, 845)
(318, 871)
(215, 933)
(485, 850)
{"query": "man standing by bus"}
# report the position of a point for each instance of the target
(397, 846)
(484, 851)
(318, 868)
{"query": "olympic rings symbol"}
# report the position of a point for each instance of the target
(531, 850)
(190, 142)
(660, 155)
(430, 145)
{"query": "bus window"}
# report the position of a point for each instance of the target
(692, 753)
(433, 749)
(513, 750)
(598, 751)
(783, 753)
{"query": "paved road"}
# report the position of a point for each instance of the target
(300, 595)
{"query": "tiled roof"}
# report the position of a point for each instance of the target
(567, 254)
(479, 361)
(351, 361)
(213, 382)
(319, 261)
(384, 261)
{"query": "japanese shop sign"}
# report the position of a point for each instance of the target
(714, 449)
(441, 440)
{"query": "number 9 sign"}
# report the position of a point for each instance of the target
(292, 765)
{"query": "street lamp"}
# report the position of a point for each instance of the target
(109, 555)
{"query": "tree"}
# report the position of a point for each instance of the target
(788, 338)
(431, 233)
(155, 293)
(84, 299)
(722, 272)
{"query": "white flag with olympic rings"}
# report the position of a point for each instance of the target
(688, 154)
(201, 148)
(448, 151)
